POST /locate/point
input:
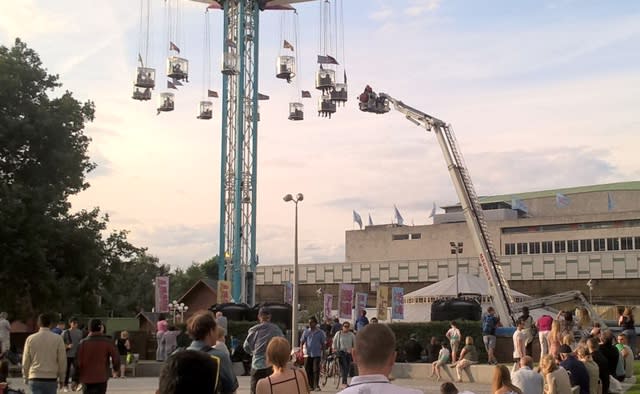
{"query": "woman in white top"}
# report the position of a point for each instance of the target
(443, 358)
(454, 336)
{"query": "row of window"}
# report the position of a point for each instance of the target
(573, 246)
(400, 237)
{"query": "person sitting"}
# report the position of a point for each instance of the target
(626, 353)
(189, 372)
(502, 381)
(468, 357)
(443, 359)
(526, 379)
(284, 379)
(578, 373)
(592, 369)
(556, 379)
(413, 350)
(433, 350)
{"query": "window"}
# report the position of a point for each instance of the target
(626, 243)
(547, 247)
(416, 236)
(534, 247)
(637, 242)
(560, 246)
(509, 249)
(522, 247)
(598, 245)
(400, 237)
(572, 245)
(613, 243)
(585, 245)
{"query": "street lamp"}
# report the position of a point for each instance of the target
(456, 249)
(294, 299)
(178, 307)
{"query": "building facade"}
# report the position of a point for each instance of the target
(548, 241)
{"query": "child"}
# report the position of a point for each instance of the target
(443, 358)
(454, 338)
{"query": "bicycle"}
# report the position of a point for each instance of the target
(330, 368)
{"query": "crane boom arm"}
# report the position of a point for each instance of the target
(490, 266)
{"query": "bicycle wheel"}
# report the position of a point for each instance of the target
(336, 372)
(324, 371)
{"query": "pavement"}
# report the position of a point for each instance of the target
(149, 386)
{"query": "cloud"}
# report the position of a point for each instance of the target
(381, 14)
(419, 7)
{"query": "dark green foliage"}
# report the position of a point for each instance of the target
(182, 280)
(52, 259)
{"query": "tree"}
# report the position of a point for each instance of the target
(182, 280)
(52, 259)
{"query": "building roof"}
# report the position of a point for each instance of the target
(210, 283)
(607, 187)
(451, 286)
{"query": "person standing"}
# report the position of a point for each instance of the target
(362, 320)
(544, 327)
(204, 331)
(375, 354)
(528, 329)
(489, 324)
(629, 328)
(526, 379)
(44, 359)
(222, 322)
(336, 327)
(343, 343)
(124, 347)
(284, 379)
(314, 339)
(71, 337)
(189, 372)
(256, 344)
(161, 328)
(519, 344)
(627, 355)
(170, 340)
(5, 334)
(93, 356)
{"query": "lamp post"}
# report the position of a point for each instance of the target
(178, 307)
(294, 299)
(456, 249)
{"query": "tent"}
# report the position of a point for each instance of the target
(417, 304)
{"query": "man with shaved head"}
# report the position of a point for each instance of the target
(375, 354)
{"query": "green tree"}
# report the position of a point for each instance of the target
(52, 259)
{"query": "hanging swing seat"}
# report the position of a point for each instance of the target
(141, 94)
(296, 111)
(286, 67)
(206, 110)
(326, 107)
(178, 68)
(146, 78)
(166, 102)
(325, 79)
(339, 93)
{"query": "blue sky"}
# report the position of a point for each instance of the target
(541, 94)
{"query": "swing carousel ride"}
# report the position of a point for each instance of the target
(239, 107)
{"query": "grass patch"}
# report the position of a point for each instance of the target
(635, 389)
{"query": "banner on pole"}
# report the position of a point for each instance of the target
(346, 301)
(328, 306)
(397, 303)
(162, 294)
(361, 303)
(224, 291)
(382, 302)
(288, 293)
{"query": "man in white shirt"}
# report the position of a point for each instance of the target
(375, 354)
(519, 343)
(526, 379)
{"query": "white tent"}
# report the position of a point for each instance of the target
(417, 304)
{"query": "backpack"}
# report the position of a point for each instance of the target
(488, 325)
(216, 359)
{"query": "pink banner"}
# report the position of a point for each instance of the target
(224, 291)
(361, 302)
(346, 301)
(328, 306)
(397, 303)
(162, 294)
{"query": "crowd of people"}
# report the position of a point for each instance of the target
(576, 355)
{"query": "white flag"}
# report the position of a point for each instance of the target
(357, 219)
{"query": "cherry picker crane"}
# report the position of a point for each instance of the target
(499, 289)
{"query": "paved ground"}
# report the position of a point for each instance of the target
(149, 386)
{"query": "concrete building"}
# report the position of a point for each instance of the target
(548, 241)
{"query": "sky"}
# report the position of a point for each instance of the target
(541, 94)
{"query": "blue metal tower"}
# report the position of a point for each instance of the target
(238, 168)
